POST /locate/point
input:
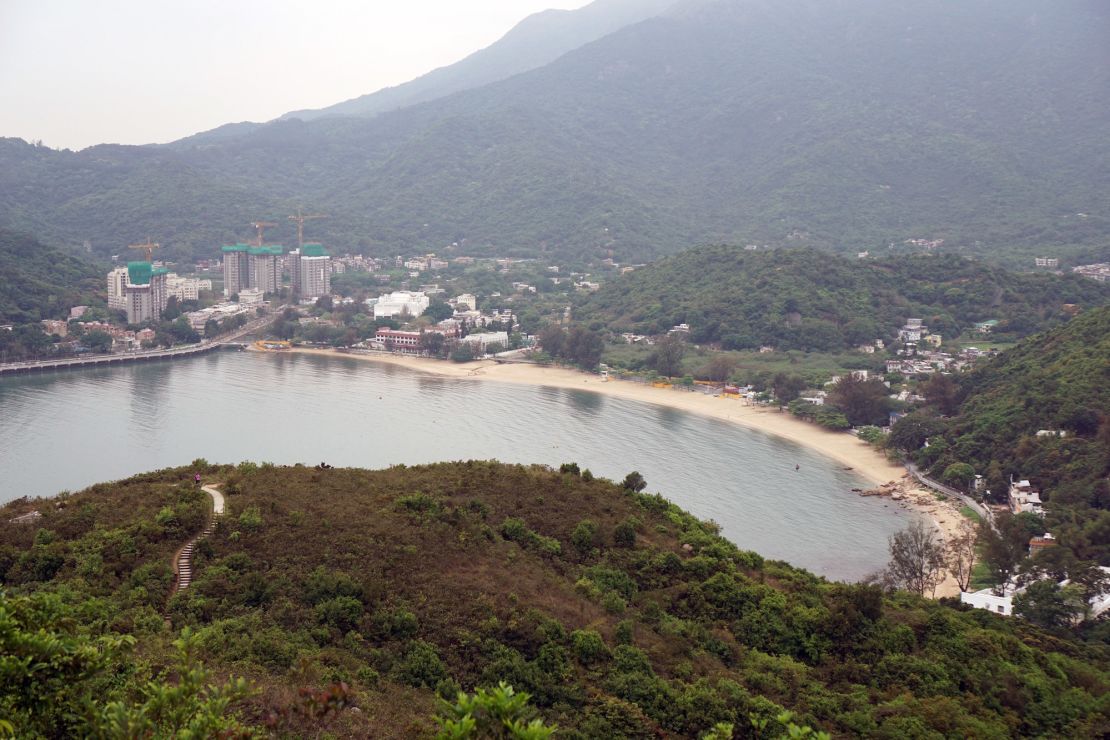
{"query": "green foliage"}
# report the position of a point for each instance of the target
(251, 518)
(588, 646)
(40, 282)
(491, 713)
(58, 680)
(421, 665)
(578, 346)
(584, 537)
(803, 299)
(624, 534)
(634, 482)
(407, 606)
(872, 435)
(1056, 381)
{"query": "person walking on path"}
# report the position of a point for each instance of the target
(196, 479)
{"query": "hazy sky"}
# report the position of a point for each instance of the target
(79, 72)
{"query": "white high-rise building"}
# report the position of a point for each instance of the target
(314, 271)
(145, 293)
(237, 269)
(265, 268)
(117, 282)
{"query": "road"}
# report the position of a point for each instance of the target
(941, 488)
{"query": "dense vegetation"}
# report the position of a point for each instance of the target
(40, 282)
(847, 125)
(620, 614)
(809, 300)
(1056, 381)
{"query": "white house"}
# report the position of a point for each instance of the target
(989, 600)
(400, 302)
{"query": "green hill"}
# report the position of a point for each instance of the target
(1056, 381)
(620, 614)
(841, 124)
(806, 299)
(40, 282)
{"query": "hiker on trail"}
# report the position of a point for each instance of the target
(196, 479)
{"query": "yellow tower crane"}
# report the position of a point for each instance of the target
(261, 227)
(149, 248)
(299, 219)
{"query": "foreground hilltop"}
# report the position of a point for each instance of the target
(620, 614)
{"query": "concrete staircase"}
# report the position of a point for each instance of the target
(183, 563)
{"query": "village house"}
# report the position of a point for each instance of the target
(1023, 498)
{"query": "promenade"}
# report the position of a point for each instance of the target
(93, 360)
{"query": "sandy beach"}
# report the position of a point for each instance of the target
(839, 446)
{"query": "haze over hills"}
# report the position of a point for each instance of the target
(843, 124)
(539, 39)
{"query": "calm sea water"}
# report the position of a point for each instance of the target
(67, 430)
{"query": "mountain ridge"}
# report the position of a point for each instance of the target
(822, 124)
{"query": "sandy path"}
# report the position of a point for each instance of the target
(839, 446)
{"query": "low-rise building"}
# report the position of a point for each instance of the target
(400, 303)
(251, 297)
(484, 340)
(1023, 498)
(56, 328)
(990, 600)
(1099, 271)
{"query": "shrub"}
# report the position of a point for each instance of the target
(342, 612)
(571, 468)
(417, 503)
(634, 482)
(515, 530)
(421, 666)
(588, 646)
(251, 519)
(495, 713)
(613, 603)
(584, 537)
(624, 535)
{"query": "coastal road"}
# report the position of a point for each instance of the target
(206, 345)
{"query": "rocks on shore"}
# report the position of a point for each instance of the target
(895, 490)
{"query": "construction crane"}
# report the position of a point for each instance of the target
(261, 227)
(300, 218)
(149, 248)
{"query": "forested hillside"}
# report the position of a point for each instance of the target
(806, 299)
(620, 614)
(40, 282)
(1058, 381)
(843, 124)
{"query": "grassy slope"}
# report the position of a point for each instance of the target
(402, 580)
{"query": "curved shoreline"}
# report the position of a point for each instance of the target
(841, 447)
